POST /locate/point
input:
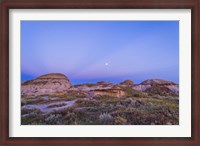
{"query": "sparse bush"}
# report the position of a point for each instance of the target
(53, 119)
(105, 119)
(120, 120)
(30, 111)
(133, 93)
(40, 122)
(104, 110)
(139, 103)
(23, 102)
(69, 118)
(136, 95)
(130, 101)
(86, 103)
(29, 116)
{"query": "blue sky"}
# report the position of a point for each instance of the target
(92, 51)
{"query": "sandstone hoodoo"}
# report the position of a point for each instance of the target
(49, 84)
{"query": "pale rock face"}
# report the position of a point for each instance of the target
(110, 92)
(91, 88)
(49, 84)
(174, 88)
(141, 87)
(157, 82)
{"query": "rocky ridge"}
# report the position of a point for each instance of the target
(48, 84)
(59, 84)
(157, 86)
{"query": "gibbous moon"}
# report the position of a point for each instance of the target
(106, 64)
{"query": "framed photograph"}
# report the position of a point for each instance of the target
(100, 72)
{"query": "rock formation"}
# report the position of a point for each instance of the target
(127, 83)
(49, 84)
(157, 86)
(157, 82)
(115, 92)
(59, 84)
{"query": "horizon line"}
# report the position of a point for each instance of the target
(95, 82)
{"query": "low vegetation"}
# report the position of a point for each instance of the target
(136, 108)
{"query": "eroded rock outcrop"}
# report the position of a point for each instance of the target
(114, 92)
(59, 84)
(127, 83)
(49, 84)
(157, 82)
(160, 87)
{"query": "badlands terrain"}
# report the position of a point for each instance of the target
(52, 100)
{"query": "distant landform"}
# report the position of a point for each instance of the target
(52, 100)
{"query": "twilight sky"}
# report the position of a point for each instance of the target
(91, 51)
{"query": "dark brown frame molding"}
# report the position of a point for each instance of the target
(194, 5)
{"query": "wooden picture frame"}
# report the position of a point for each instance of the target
(99, 4)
